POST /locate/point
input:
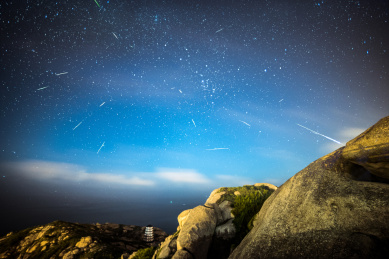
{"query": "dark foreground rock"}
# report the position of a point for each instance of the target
(71, 240)
(337, 207)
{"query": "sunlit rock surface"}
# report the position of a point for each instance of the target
(371, 149)
(205, 231)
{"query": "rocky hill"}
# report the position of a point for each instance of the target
(337, 207)
(71, 240)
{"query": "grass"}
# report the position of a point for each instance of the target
(245, 206)
(145, 253)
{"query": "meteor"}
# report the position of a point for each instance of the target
(78, 125)
(64, 73)
(317, 133)
(245, 123)
(97, 3)
(101, 147)
(42, 88)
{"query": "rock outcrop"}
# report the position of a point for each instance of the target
(196, 234)
(71, 240)
(206, 231)
(370, 150)
(337, 207)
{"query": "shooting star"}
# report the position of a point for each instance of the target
(102, 104)
(245, 123)
(219, 148)
(42, 88)
(64, 73)
(78, 125)
(280, 100)
(219, 30)
(97, 3)
(101, 147)
(194, 123)
(180, 90)
(115, 35)
(317, 133)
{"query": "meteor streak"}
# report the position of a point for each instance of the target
(218, 148)
(42, 88)
(101, 147)
(78, 125)
(317, 133)
(245, 123)
(97, 3)
(64, 73)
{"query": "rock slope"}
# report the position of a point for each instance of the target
(71, 240)
(337, 207)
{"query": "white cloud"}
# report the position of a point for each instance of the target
(45, 170)
(51, 171)
(345, 135)
(350, 133)
(181, 176)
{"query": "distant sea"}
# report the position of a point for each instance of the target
(27, 203)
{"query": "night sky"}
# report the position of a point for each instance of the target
(132, 111)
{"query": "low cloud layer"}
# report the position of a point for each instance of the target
(182, 176)
(350, 133)
(56, 171)
(45, 170)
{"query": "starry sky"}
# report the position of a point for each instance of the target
(113, 110)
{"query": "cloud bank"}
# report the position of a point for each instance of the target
(72, 173)
(45, 170)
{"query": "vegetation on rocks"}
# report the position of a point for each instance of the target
(145, 253)
(245, 207)
(246, 202)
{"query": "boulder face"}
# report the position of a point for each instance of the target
(196, 234)
(337, 207)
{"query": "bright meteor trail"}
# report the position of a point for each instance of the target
(97, 3)
(317, 133)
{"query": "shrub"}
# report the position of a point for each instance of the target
(145, 253)
(245, 207)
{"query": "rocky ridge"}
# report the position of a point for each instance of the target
(71, 240)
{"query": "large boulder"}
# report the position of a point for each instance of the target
(337, 207)
(196, 234)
